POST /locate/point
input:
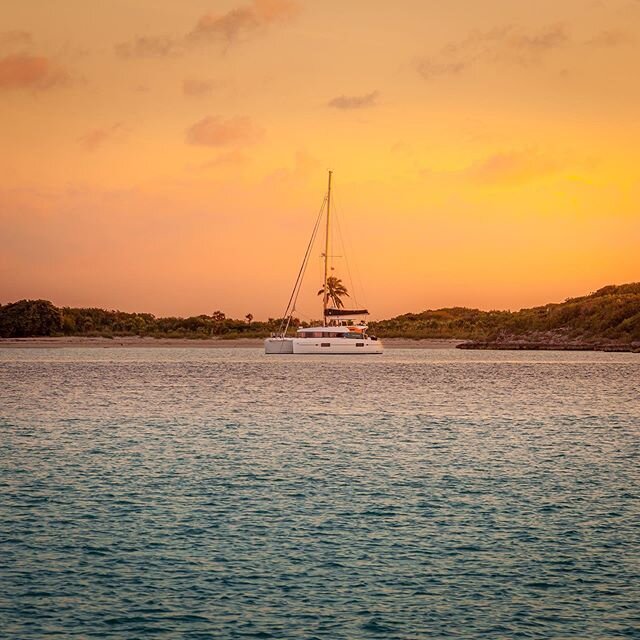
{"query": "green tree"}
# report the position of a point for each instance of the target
(335, 291)
(30, 318)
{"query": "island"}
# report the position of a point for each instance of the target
(605, 320)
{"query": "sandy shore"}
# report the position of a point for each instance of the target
(214, 343)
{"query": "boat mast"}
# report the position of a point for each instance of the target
(325, 298)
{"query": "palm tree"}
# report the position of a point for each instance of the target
(335, 291)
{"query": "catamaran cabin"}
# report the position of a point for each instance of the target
(351, 332)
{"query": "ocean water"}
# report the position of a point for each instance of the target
(195, 493)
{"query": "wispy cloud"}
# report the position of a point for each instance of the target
(511, 167)
(15, 39)
(96, 138)
(506, 44)
(226, 29)
(22, 71)
(241, 22)
(611, 38)
(213, 131)
(232, 158)
(197, 88)
(431, 67)
(148, 47)
(303, 166)
(354, 102)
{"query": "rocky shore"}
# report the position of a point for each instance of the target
(523, 344)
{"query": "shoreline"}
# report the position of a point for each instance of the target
(612, 347)
(80, 342)
(134, 342)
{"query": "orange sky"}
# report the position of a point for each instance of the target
(171, 156)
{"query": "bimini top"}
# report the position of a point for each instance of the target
(345, 312)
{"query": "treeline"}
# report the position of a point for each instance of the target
(27, 318)
(611, 313)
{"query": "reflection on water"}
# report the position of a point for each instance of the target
(225, 493)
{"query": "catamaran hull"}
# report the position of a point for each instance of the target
(278, 345)
(324, 346)
(341, 346)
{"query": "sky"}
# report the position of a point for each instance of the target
(171, 157)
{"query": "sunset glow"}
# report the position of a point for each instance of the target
(171, 157)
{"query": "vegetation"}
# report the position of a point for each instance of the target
(335, 291)
(610, 315)
(30, 318)
(42, 318)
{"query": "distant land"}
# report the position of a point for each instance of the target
(608, 319)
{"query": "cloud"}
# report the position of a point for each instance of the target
(15, 39)
(354, 102)
(225, 28)
(197, 88)
(241, 22)
(611, 38)
(511, 167)
(233, 158)
(38, 73)
(506, 44)
(214, 131)
(96, 138)
(532, 44)
(148, 47)
(429, 68)
(302, 168)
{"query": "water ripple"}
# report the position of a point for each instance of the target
(223, 494)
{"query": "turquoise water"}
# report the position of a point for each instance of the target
(191, 493)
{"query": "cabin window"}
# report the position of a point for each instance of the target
(359, 344)
(325, 344)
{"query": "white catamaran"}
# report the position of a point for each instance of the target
(344, 331)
